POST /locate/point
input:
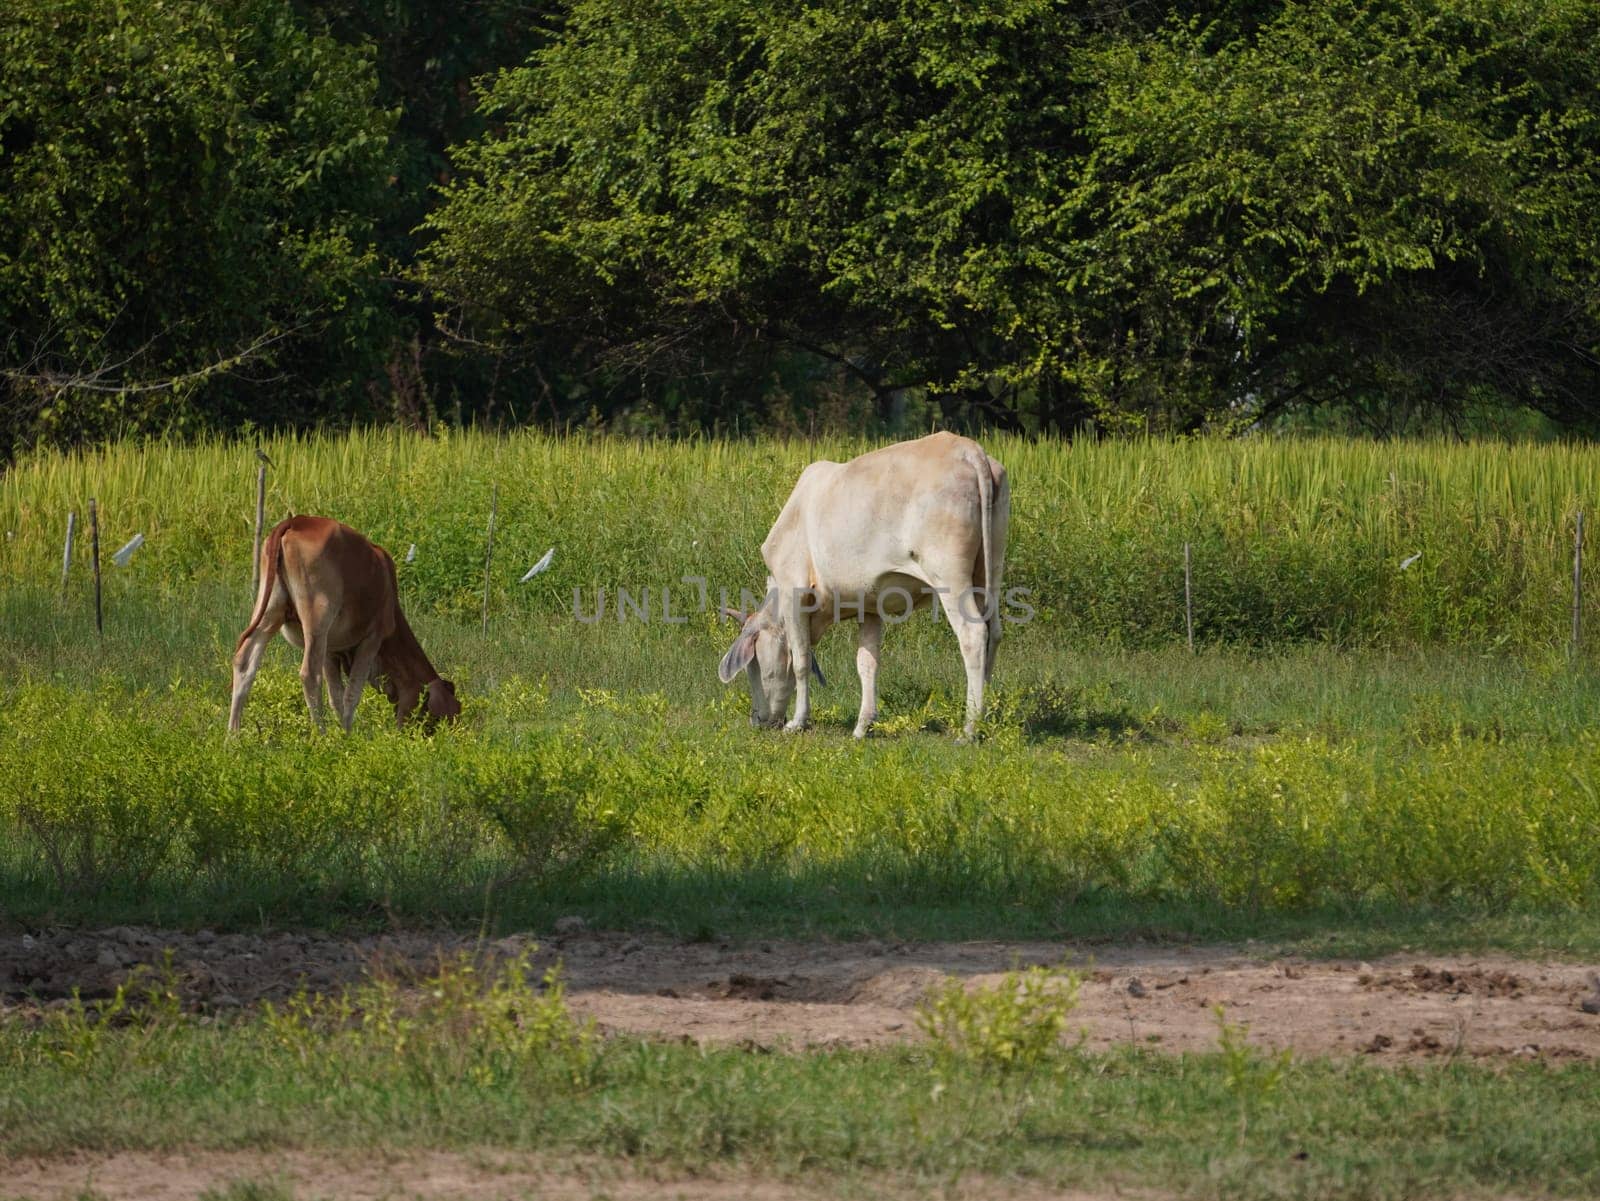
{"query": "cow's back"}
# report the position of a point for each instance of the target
(326, 561)
(885, 511)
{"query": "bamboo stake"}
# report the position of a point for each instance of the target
(66, 555)
(94, 544)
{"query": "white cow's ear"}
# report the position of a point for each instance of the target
(816, 670)
(738, 657)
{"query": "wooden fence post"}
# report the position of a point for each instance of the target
(261, 514)
(1188, 599)
(1577, 585)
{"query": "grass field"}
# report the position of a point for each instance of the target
(1358, 759)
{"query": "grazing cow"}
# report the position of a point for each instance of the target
(873, 539)
(333, 592)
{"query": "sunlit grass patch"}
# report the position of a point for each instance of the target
(103, 800)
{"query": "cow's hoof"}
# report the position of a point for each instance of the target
(795, 727)
(967, 740)
(862, 733)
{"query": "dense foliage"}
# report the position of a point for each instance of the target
(1037, 211)
(727, 214)
(188, 197)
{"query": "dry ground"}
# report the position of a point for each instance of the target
(445, 1176)
(775, 994)
(863, 994)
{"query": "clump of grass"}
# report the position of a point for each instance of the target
(1015, 1026)
(488, 1023)
(1250, 1075)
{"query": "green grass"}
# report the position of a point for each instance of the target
(476, 1059)
(1336, 801)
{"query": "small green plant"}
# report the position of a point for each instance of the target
(487, 1023)
(1250, 1075)
(1015, 1026)
(133, 1025)
(250, 1190)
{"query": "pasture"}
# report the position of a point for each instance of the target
(1363, 764)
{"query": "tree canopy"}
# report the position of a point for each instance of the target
(187, 215)
(1045, 210)
(707, 213)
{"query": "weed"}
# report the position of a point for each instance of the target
(1250, 1075)
(1015, 1026)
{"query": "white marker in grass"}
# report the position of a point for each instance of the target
(1405, 563)
(541, 565)
(122, 557)
(411, 553)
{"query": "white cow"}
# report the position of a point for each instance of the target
(872, 539)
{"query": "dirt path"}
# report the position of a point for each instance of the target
(444, 1176)
(865, 994)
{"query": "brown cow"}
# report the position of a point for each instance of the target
(333, 592)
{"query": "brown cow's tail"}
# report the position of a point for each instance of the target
(271, 554)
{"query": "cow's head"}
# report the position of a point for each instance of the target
(441, 703)
(438, 699)
(762, 651)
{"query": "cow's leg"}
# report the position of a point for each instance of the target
(972, 633)
(247, 662)
(797, 626)
(360, 668)
(314, 663)
(334, 677)
(992, 644)
(870, 641)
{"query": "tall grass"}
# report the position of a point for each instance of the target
(1292, 540)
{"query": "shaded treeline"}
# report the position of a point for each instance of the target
(725, 215)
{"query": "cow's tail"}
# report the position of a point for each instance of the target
(271, 554)
(991, 602)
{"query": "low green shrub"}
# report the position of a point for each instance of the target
(1017, 1025)
(100, 800)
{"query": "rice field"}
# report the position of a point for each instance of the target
(1348, 543)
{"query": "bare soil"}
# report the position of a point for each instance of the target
(447, 1176)
(864, 994)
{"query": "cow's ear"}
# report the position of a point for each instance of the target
(816, 670)
(738, 657)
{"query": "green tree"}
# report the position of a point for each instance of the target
(1038, 212)
(188, 197)
(667, 185)
(1387, 207)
